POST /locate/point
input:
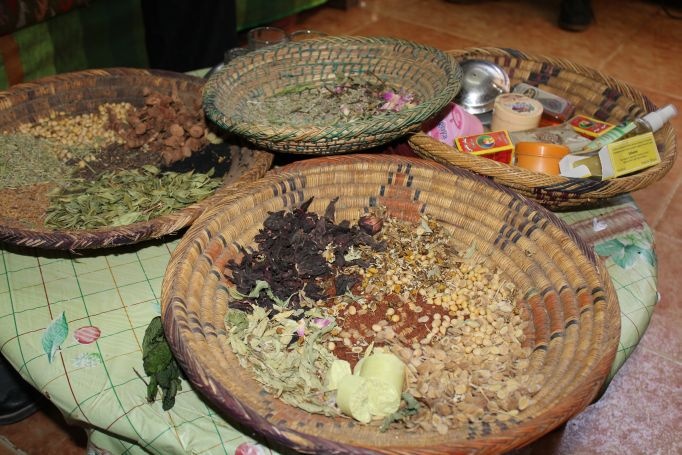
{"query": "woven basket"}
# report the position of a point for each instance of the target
(595, 95)
(429, 74)
(81, 92)
(567, 297)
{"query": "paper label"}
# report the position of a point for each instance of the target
(481, 144)
(590, 127)
(496, 146)
(554, 106)
(629, 155)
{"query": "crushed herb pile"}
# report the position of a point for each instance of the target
(315, 294)
(18, 168)
(346, 99)
(125, 197)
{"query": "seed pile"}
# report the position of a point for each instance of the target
(164, 125)
(79, 133)
(450, 318)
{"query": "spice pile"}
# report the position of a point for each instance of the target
(124, 197)
(315, 296)
(346, 99)
(116, 166)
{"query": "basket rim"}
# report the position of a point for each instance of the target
(113, 236)
(400, 121)
(237, 410)
(520, 178)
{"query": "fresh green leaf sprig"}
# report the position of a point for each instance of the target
(160, 365)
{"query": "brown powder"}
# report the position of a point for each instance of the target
(24, 207)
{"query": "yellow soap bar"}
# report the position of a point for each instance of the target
(375, 388)
(352, 398)
(383, 398)
(629, 155)
(337, 370)
(385, 367)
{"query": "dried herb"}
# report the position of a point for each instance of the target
(124, 197)
(344, 99)
(410, 408)
(160, 365)
(296, 250)
(27, 160)
(295, 372)
(213, 156)
(410, 290)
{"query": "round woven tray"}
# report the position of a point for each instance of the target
(595, 95)
(428, 73)
(566, 295)
(81, 92)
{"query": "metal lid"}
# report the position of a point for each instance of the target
(483, 81)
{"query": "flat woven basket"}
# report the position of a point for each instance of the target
(428, 73)
(82, 92)
(595, 95)
(567, 297)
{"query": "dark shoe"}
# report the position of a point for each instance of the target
(18, 399)
(575, 15)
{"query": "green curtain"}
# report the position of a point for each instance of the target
(106, 33)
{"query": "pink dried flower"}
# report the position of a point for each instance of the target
(322, 322)
(396, 102)
(300, 330)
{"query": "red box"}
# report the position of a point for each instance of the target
(495, 145)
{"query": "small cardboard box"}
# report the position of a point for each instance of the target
(589, 127)
(495, 145)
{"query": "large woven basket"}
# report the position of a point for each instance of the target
(567, 297)
(429, 74)
(82, 92)
(595, 95)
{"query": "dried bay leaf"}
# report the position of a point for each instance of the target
(114, 198)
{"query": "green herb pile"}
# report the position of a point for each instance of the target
(160, 365)
(295, 372)
(125, 197)
(27, 160)
(345, 99)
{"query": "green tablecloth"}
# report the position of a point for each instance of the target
(116, 293)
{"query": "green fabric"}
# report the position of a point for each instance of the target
(3, 76)
(115, 34)
(64, 31)
(252, 13)
(106, 33)
(36, 51)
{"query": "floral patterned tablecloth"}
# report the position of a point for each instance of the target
(72, 325)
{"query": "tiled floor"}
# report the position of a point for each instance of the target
(634, 41)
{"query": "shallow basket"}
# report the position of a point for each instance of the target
(566, 295)
(82, 92)
(594, 94)
(428, 73)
